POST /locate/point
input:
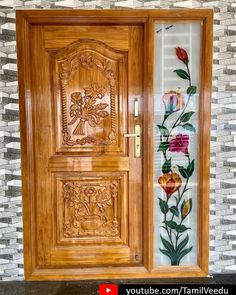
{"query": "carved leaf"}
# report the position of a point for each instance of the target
(103, 114)
(76, 97)
(93, 121)
(72, 114)
(74, 107)
(100, 106)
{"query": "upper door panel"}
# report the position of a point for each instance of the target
(90, 91)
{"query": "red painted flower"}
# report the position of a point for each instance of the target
(170, 182)
(181, 54)
(179, 144)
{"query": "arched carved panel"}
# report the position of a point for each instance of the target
(90, 97)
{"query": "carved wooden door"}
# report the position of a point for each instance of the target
(88, 182)
(115, 132)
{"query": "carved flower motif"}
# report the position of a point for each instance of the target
(86, 61)
(90, 191)
(85, 108)
(170, 182)
(94, 91)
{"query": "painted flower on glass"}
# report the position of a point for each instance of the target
(186, 208)
(175, 241)
(173, 101)
(179, 144)
(170, 182)
(181, 54)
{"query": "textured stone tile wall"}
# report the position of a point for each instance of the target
(223, 150)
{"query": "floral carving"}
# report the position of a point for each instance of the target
(90, 209)
(88, 62)
(175, 207)
(85, 108)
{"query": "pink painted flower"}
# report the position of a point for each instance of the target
(179, 144)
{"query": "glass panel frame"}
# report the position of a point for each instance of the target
(176, 85)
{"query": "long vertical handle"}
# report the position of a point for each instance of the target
(137, 140)
(137, 131)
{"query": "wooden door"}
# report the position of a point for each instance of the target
(86, 86)
(88, 183)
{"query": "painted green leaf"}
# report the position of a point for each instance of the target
(163, 130)
(166, 166)
(183, 253)
(182, 244)
(181, 228)
(174, 210)
(190, 168)
(189, 127)
(163, 146)
(167, 253)
(191, 90)
(182, 74)
(167, 245)
(167, 115)
(164, 206)
(171, 224)
(186, 117)
(183, 171)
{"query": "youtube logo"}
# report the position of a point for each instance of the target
(108, 289)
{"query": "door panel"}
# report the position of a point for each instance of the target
(96, 194)
(88, 182)
(61, 36)
(90, 86)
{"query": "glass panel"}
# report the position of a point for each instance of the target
(177, 65)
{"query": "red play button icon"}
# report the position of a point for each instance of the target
(108, 289)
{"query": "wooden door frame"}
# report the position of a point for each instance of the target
(146, 18)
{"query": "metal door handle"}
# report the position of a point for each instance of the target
(137, 140)
(130, 135)
(136, 107)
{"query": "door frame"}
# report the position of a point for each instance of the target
(146, 18)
